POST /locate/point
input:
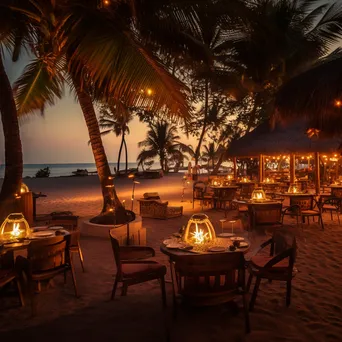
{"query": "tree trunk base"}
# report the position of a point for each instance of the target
(114, 218)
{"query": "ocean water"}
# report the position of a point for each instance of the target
(57, 170)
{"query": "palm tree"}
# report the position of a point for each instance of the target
(162, 142)
(279, 40)
(104, 62)
(14, 34)
(210, 154)
(116, 119)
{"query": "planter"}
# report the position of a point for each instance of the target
(137, 234)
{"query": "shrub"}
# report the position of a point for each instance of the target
(43, 172)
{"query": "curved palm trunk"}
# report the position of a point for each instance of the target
(126, 155)
(109, 194)
(13, 150)
(204, 128)
(218, 164)
(120, 150)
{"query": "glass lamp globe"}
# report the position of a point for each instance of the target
(258, 194)
(293, 189)
(24, 188)
(14, 227)
(199, 230)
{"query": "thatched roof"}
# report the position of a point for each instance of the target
(282, 139)
(314, 95)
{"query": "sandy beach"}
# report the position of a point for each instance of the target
(314, 314)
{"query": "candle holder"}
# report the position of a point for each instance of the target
(15, 226)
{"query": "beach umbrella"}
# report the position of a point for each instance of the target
(316, 95)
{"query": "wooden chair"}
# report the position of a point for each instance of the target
(205, 280)
(246, 190)
(303, 207)
(70, 223)
(46, 258)
(332, 204)
(199, 192)
(277, 266)
(262, 214)
(11, 275)
(133, 269)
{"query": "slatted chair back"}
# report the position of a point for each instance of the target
(246, 190)
(69, 222)
(266, 214)
(212, 274)
(228, 194)
(116, 251)
(199, 190)
(45, 257)
(302, 202)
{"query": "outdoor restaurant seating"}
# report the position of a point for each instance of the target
(262, 214)
(132, 268)
(46, 258)
(206, 280)
(151, 206)
(303, 207)
(11, 275)
(332, 204)
(279, 265)
(200, 193)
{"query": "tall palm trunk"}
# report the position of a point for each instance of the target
(109, 194)
(120, 150)
(219, 162)
(13, 150)
(126, 155)
(204, 128)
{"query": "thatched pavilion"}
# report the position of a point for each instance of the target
(291, 139)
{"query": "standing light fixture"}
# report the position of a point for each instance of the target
(132, 176)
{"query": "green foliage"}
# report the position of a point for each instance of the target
(43, 173)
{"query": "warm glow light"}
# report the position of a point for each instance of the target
(14, 226)
(16, 231)
(199, 230)
(199, 236)
(106, 2)
(149, 92)
(338, 103)
(131, 176)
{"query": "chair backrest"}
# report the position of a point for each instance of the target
(116, 251)
(228, 194)
(151, 195)
(69, 222)
(303, 202)
(246, 190)
(198, 189)
(46, 255)
(266, 213)
(210, 273)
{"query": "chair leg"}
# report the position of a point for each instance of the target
(80, 254)
(255, 292)
(115, 285)
(249, 282)
(163, 291)
(73, 275)
(321, 219)
(124, 289)
(246, 313)
(20, 292)
(288, 293)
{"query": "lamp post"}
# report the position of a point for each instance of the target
(132, 176)
(185, 183)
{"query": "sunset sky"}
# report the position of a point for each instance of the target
(61, 136)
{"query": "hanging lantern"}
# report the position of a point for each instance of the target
(24, 188)
(199, 230)
(293, 189)
(14, 227)
(258, 194)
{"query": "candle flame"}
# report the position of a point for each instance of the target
(16, 231)
(199, 236)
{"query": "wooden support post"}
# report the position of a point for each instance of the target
(317, 174)
(261, 168)
(292, 168)
(234, 168)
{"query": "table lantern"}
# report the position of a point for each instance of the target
(24, 188)
(258, 194)
(14, 227)
(199, 230)
(216, 182)
(293, 189)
